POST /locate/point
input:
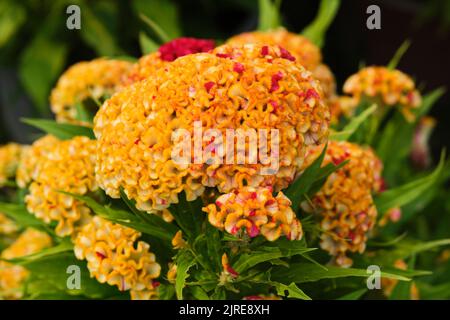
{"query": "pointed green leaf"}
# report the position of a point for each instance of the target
(355, 295)
(63, 131)
(20, 214)
(399, 54)
(353, 125)
(162, 35)
(269, 16)
(317, 29)
(147, 44)
(184, 262)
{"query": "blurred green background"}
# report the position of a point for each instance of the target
(36, 47)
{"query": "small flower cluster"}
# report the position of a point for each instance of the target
(60, 166)
(391, 87)
(91, 79)
(114, 256)
(255, 87)
(12, 276)
(253, 212)
(345, 202)
(9, 159)
(149, 64)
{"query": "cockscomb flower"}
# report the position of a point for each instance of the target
(178, 242)
(345, 204)
(168, 52)
(114, 256)
(9, 160)
(12, 276)
(296, 48)
(390, 87)
(137, 128)
(68, 166)
(7, 226)
(255, 211)
(88, 79)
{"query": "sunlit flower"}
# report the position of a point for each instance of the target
(88, 79)
(172, 273)
(345, 202)
(134, 128)
(294, 47)
(9, 160)
(68, 166)
(178, 242)
(388, 285)
(255, 211)
(7, 226)
(390, 87)
(149, 64)
(420, 153)
(12, 276)
(115, 256)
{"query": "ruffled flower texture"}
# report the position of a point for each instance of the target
(114, 256)
(9, 160)
(254, 212)
(295, 47)
(390, 87)
(249, 89)
(68, 166)
(88, 79)
(345, 202)
(168, 52)
(12, 276)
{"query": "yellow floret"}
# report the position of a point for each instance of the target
(9, 160)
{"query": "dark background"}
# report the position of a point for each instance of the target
(348, 43)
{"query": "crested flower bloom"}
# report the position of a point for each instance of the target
(255, 211)
(7, 226)
(148, 64)
(388, 285)
(9, 159)
(340, 106)
(178, 242)
(12, 276)
(68, 166)
(114, 256)
(345, 203)
(390, 87)
(294, 47)
(88, 79)
(251, 90)
(420, 153)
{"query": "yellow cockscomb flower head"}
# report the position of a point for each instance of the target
(9, 160)
(12, 276)
(255, 211)
(88, 79)
(195, 93)
(68, 166)
(114, 256)
(30, 159)
(345, 202)
(389, 87)
(294, 47)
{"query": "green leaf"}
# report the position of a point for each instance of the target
(408, 192)
(303, 183)
(265, 254)
(269, 15)
(12, 16)
(399, 54)
(188, 215)
(308, 272)
(353, 125)
(53, 269)
(429, 100)
(162, 35)
(95, 26)
(147, 44)
(185, 260)
(20, 214)
(355, 295)
(317, 29)
(40, 64)
(198, 293)
(63, 131)
(402, 290)
(214, 245)
(289, 291)
(166, 291)
(82, 114)
(163, 13)
(153, 225)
